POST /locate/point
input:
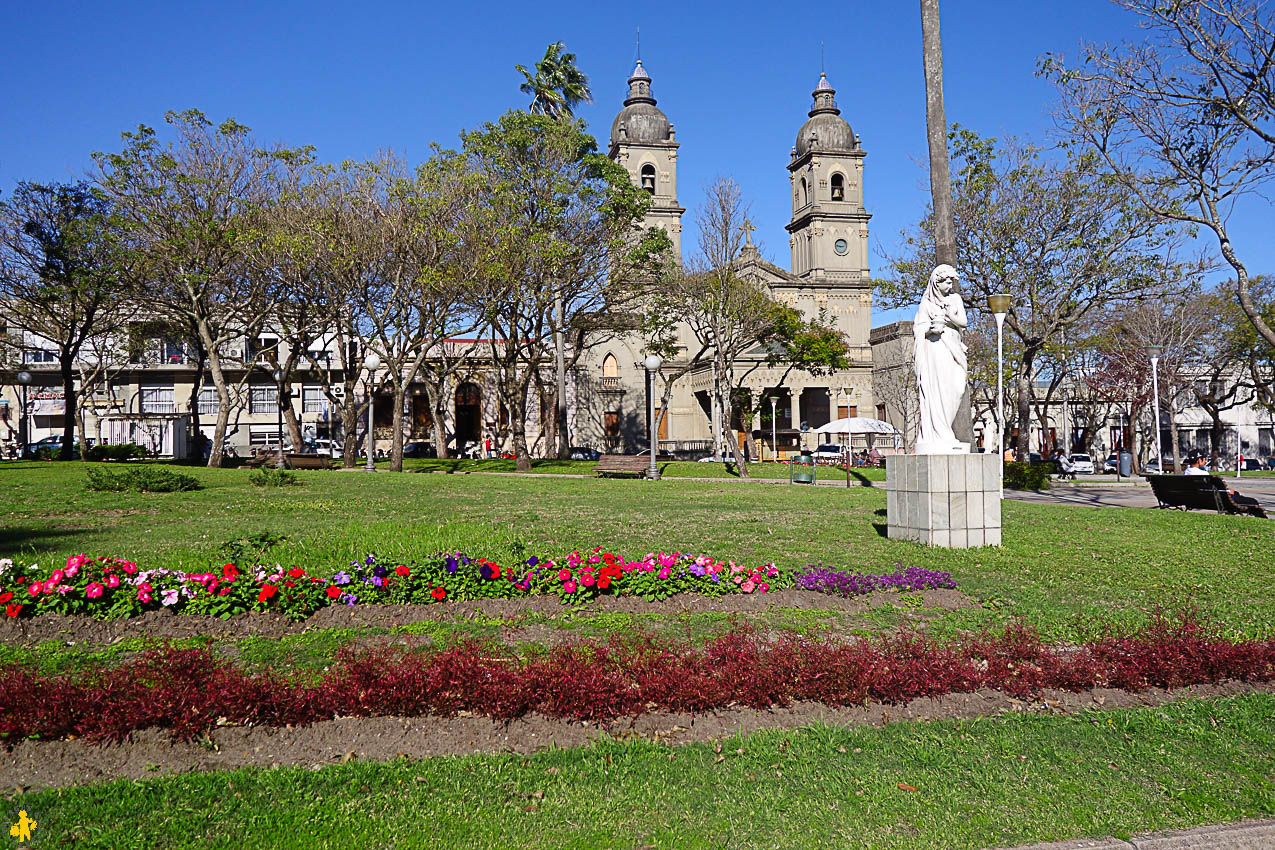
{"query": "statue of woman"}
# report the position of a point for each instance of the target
(940, 362)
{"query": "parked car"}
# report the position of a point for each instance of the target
(419, 448)
(662, 456)
(1082, 463)
(1034, 457)
(49, 447)
(584, 453)
(1152, 467)
(1252, 464)
(1111, 465)
(828, 453)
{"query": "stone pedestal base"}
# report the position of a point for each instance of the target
(944, 500)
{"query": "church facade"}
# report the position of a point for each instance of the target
(829, 279)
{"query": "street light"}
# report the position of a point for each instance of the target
(278, 389)
(999, 305)
(1154, 351)
(24, 428)
(774, 446)
(372, 362)
(653, 363)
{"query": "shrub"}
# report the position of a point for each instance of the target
(116, 452)
(142, 479)
(271, 476)
(1027, 476)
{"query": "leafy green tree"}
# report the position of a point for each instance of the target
(62, 277)
(558, 86)
(557, 220)
(190, 208)
(1056, 234)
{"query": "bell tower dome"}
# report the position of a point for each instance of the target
(643, 141)
(829, 227)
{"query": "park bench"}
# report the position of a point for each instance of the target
(1193, 493)
(307, 461)
(622, 465)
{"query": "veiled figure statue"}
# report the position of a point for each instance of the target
(941, 368)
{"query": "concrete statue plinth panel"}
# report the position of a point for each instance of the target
(949, 500)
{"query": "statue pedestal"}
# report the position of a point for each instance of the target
(948, 500)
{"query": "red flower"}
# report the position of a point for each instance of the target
(439, 594)
(402, 571)
(13, 609)
(296, 572)
(267, 590)
(334, 592)
(5, 597)
(289, 584)
(604, 582)
(22, 579)
(229, 571)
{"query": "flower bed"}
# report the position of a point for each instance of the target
(114, 588)
(190, 691)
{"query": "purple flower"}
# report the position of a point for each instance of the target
(532, 561)
(349, 599)
(378, 581)
(485, 572)
(451, 565)
(380, 572)
(341, 578)
(826, 580)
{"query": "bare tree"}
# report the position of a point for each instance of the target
(1185, 121)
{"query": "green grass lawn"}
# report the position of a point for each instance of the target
(982, 783)
(991, 782)
(1060, 567)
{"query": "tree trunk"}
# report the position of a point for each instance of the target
(69, 406)
(290, 420)
(396, 439)
(936, 130)
(349, 430)
(560, 388)
(1022, 448)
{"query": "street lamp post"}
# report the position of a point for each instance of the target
(24, 427)
(1153, 351)
(653, 363)
(999, 305)
(849, 445)
(774, 446)
(278, 389)
(372, 362)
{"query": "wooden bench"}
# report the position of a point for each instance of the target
(622, 465)
(307, 461)
(1193, 493)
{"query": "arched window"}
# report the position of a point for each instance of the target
(805, 192)
(648, 178)
(610, 367)
(838, 187)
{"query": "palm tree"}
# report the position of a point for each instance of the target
(558, 86)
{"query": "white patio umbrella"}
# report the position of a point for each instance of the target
(857, 425)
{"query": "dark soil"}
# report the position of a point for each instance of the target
(36, 765)
(166, 625)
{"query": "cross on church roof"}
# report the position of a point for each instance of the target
(747, 229)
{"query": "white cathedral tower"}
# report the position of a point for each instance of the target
(643, 141)
(829, 227)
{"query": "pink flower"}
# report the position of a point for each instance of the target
(56, 577)
(665, 572)
(143, 597)
(94, 590)
(112, 581)
(587, 579)
(564, 575)
(748, 586)
(569, 587)
(594, 559)
(130, 567)
(763, 587)
(34, 588)
(738, 579)
(71, 571)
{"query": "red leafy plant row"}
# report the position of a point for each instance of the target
(188, 691)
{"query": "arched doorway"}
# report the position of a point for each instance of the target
(469, 415)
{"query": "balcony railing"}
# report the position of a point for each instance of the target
(610, 383)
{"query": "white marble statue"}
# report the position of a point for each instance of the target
(941, 370)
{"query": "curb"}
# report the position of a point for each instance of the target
(1244, 835)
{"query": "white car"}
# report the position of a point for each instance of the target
(829, 453)
(1083, 464)
(328, 448)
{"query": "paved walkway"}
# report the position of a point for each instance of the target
(1245, 835)
(1131, 495)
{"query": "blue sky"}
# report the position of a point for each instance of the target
(735, 78)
